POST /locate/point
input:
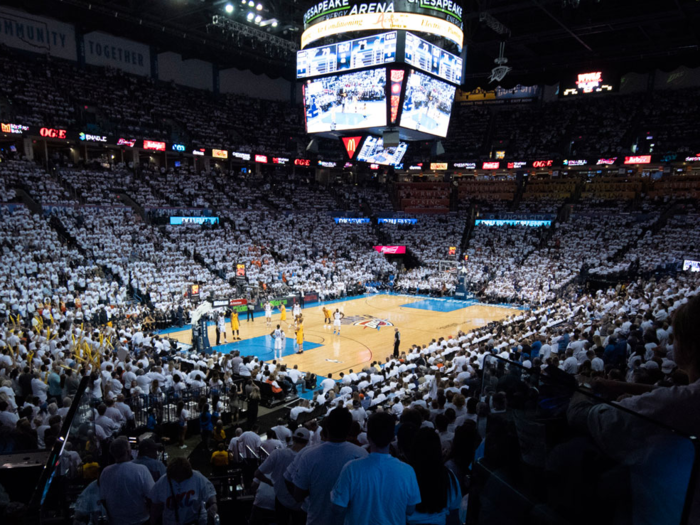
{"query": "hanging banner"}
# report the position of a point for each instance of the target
(37, 34)
(102, 49)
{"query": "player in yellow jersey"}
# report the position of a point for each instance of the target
(234, 326)
(326, 318)
(283, 313)
(300, 338)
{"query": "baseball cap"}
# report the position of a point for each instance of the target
(668, 366)
(302, 434)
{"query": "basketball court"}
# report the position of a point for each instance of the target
(367, 332)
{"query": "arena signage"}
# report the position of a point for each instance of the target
(465, 165)
(383, 22)
(154, 145)
(220, 154)
(199, 152)
(438, 166)
(638, 159)
(302, 162)
(16, 129)
(351, 144)
(347, 220)
(130, 143)
(543, 164)
(391, 220)
(240, 271)
(391, 250)
(178, 147)
(576, 162)
(606, 162)
(53, 133)
(490, 165)
(327, 164)
(261, 158)
(333, 9)
(193, 220)
(516, 165)
(396, 83)
(511, 222)
(417, 167)
(239, 155)
(374, 166)
(692, 159)
(280, 160)
(86, 137)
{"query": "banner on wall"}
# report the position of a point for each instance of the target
(37, 34)
(515, 95)
(106, 50)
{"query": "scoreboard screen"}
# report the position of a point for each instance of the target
(369, 51)
(373, 151)
(429, 57)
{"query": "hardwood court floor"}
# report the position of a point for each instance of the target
(418, 319)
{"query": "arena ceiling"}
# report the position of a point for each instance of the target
(543, 38)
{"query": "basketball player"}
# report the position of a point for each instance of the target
(283, 313)
(337, 315)
(221, 328)
(326, 318)
(296, 311)
(234, 326)
(279, 338)
(300, 338)
(268, 313)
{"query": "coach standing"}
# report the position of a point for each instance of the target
(397, 342)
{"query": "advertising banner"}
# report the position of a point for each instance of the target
(391, 250)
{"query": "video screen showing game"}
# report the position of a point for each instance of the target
(350, 101)
(427, 105)
(373, 151)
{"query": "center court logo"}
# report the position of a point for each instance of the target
(367, 321)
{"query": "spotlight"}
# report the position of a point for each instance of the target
(250, 16)
(274, 24)
(251, 3)
(229, 8)
(258, 19)
(258, 7)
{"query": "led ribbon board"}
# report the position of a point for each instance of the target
(326, 10)
(383, 22)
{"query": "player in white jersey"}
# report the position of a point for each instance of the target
(280, 340)
(337, 317)
(296, 313)
(268, 313)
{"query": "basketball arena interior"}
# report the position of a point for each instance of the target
(349, 262)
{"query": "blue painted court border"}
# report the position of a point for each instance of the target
(262, 347)
(440, 305)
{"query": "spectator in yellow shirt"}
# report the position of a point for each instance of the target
(220, 460)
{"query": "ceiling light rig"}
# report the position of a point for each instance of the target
(236, 30)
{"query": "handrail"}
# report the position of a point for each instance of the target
(53, 461)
